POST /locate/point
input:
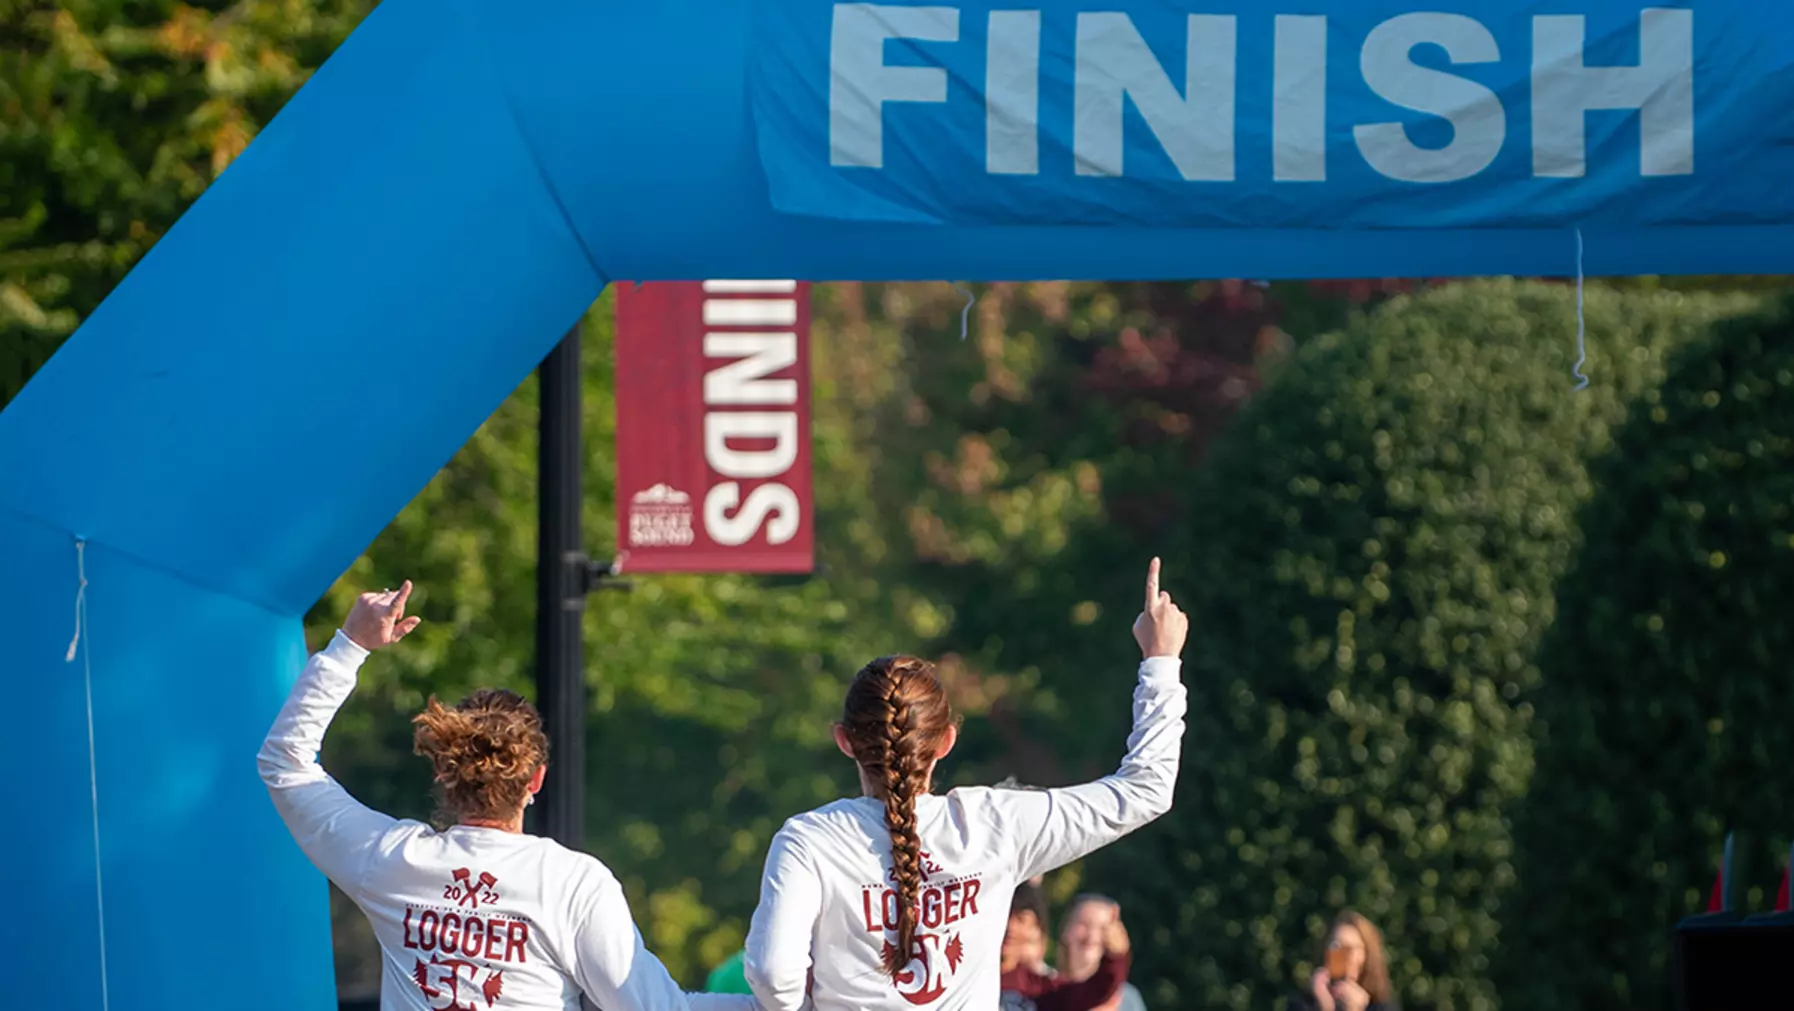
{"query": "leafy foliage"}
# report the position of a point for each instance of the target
(115, 116)
(1369, 559)
(1666, 687)
(1023, 485)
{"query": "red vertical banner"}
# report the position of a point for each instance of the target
(713, 427)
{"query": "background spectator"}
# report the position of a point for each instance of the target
(728, 976)
(1030, 985)
(1024, 943)
(1353, 975)
(1091, 927)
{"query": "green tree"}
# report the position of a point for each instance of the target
(1021, 487)
(1369, 559)
(114, 117)
(1666, 685)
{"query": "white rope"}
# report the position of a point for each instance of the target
(1581, 324)
(93, 772)
(80, 597)
(966, 313)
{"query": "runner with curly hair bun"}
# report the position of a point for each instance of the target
(478, 914)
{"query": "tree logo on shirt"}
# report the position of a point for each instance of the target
(471, 891)
(446, 983)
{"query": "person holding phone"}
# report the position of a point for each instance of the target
(1354, 973)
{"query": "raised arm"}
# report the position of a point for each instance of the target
(332, 828)
(1055, 827)
(778, 944)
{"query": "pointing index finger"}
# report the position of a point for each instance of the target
(1152, 584)
(398, 603)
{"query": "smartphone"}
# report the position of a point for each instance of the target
(1339, 962)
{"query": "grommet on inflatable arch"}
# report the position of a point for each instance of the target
(409, 237)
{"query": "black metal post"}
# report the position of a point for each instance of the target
(561, 587)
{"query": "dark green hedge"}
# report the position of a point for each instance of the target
(1667, 716)
(1369, 566)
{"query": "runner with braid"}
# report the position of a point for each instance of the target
(899, 899)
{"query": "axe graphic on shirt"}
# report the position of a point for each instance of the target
(470, 892)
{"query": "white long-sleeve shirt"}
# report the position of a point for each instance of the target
(467, 918)
(827, 904)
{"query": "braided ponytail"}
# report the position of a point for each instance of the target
(897, 718)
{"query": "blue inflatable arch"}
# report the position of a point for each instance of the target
(409, 237)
